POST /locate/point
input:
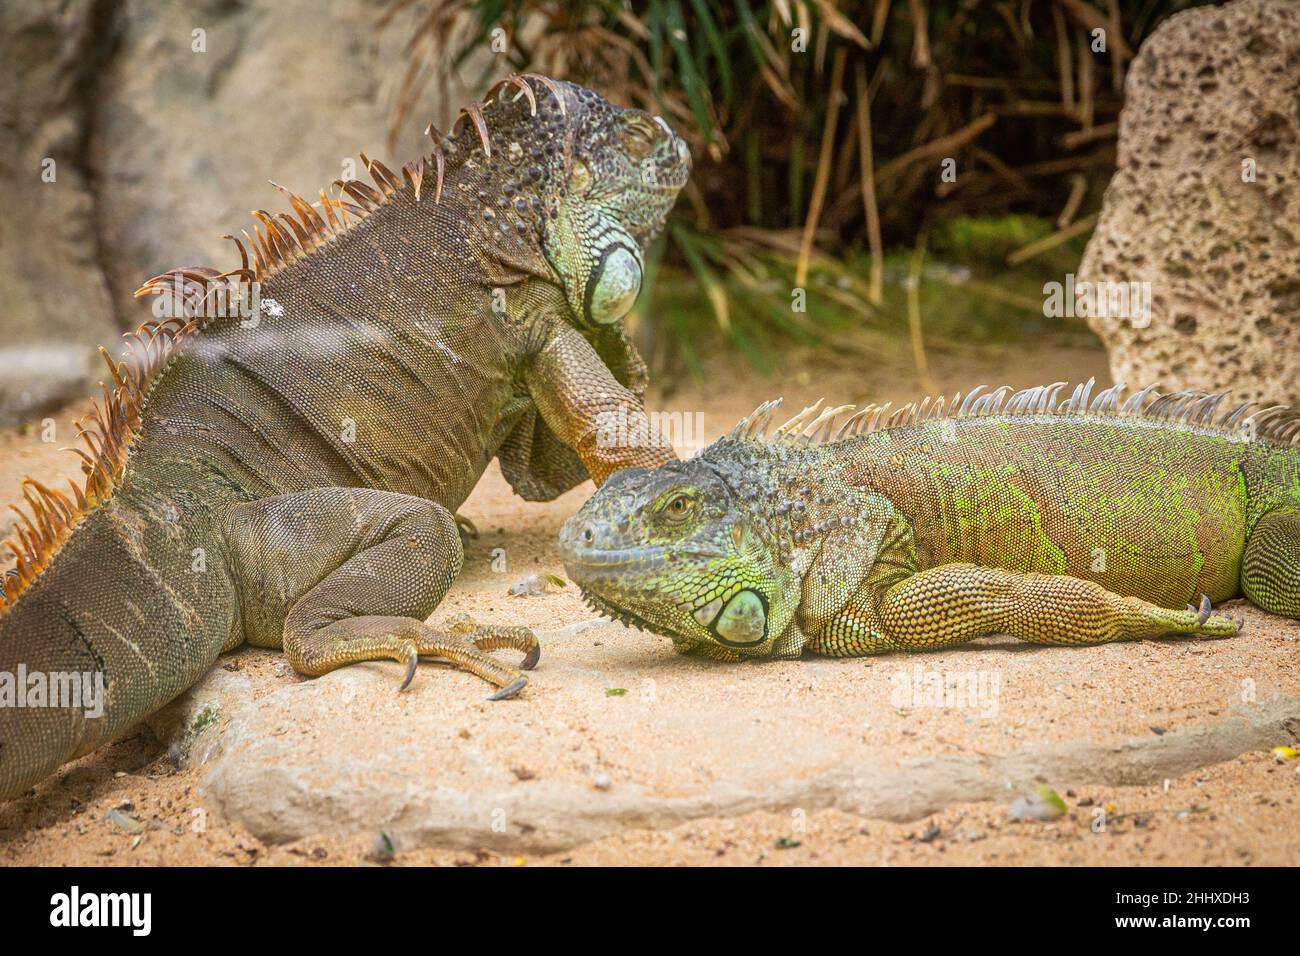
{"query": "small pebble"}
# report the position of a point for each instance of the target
(384, 848)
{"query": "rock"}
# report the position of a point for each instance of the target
(56, 305)
(190, 725)
(1211, 99)
(347, 753)
(165, 122)
(288, 90)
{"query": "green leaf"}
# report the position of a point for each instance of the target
(692, 248)
(688, 77)
(1052, 799)
(655, 23)
(713, 37)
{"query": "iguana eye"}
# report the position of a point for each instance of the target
(678, 507)
(580, 177)
(638, 140)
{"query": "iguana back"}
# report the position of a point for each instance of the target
(1141, 508)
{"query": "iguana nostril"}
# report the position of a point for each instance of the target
(588, 535)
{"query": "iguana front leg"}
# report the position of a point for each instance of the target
(341, 575)
(954, 603)
(589, 410)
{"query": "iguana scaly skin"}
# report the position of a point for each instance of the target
(1057, 522)
(288, 478)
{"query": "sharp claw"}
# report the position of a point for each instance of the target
(531, 659)
(1192, 608)
(411, 664)
(1204, 614)
(507, 692)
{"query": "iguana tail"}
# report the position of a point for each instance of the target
(101, 637)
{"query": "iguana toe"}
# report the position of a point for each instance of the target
(531, 658)
(412, 655)
(1220, 626)
(507, 692)
(467, 527)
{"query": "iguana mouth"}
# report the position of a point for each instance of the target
(607, 609)
(602, 560)
(612, 558)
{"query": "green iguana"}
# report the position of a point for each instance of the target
(1072, 522)
(287, 475)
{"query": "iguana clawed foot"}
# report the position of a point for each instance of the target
(465, 644)
(462, 644)
(1209, 624)
(492, 637)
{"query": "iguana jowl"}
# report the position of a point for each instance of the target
(289, 479)
(1058, 522)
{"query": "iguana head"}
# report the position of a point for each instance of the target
(592, 181)
(622, 174)
(684, 550)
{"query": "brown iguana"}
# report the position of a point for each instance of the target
(1078, 521)
(286, 475)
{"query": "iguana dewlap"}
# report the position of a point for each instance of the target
(287, 475)
(1075, 520)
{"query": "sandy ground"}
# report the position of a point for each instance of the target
(1239, 811)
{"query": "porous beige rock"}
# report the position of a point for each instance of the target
(1205, 205)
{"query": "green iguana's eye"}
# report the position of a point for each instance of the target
(638, 140)
(678, 507)
(580, 177)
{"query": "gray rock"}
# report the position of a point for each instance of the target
(54, 303)
(285, 90)
(159, 149)
(436, 765)
(190, 725)
(1212, 89)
